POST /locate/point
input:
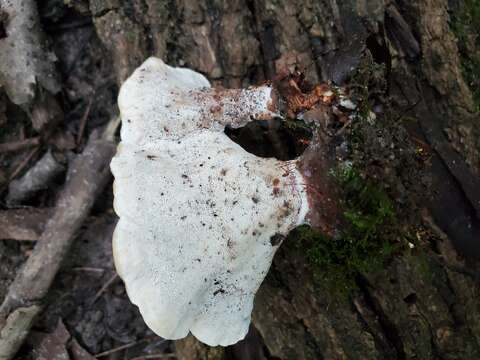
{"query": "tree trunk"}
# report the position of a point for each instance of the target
(423, 306)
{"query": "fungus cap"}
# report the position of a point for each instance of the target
(200, 217)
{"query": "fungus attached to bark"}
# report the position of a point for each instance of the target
(200, 218)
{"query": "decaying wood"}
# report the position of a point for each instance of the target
(15, 329)
(87, 176)
(25, 62)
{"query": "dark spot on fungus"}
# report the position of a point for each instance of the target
(276, 239)
(184, 176)
(221, 291)
(151, 157)
(255, 199)
(223, 172)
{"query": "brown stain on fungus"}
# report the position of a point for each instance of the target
(285, 210)
(215, 109)
(219, 291)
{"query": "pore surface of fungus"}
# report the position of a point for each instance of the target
(200, 218)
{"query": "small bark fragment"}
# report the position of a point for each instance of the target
(52, 345)
(23, 224)
(24, 63)
(36, 178)
(190, 348)
(78, 352)
(16, 328)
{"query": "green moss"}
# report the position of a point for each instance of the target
(466, 26)
(363, 244)
(379, 185)
(367, 82)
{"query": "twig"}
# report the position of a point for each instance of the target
(88, 269)
(123, 347)
(155, 356)
(104, 287)
(19, 145)
(24, 163)
(88, 174)
(72, 24)
(84, 119)
(344, 127)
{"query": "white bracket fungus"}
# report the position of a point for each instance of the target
(200, 218)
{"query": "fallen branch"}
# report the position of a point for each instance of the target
(24, 61)
(104, 288)
(123, 347)
(87, 176)
(19, 145)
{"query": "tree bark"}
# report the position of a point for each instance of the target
(422, 307)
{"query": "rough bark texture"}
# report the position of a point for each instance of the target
(422, 307)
